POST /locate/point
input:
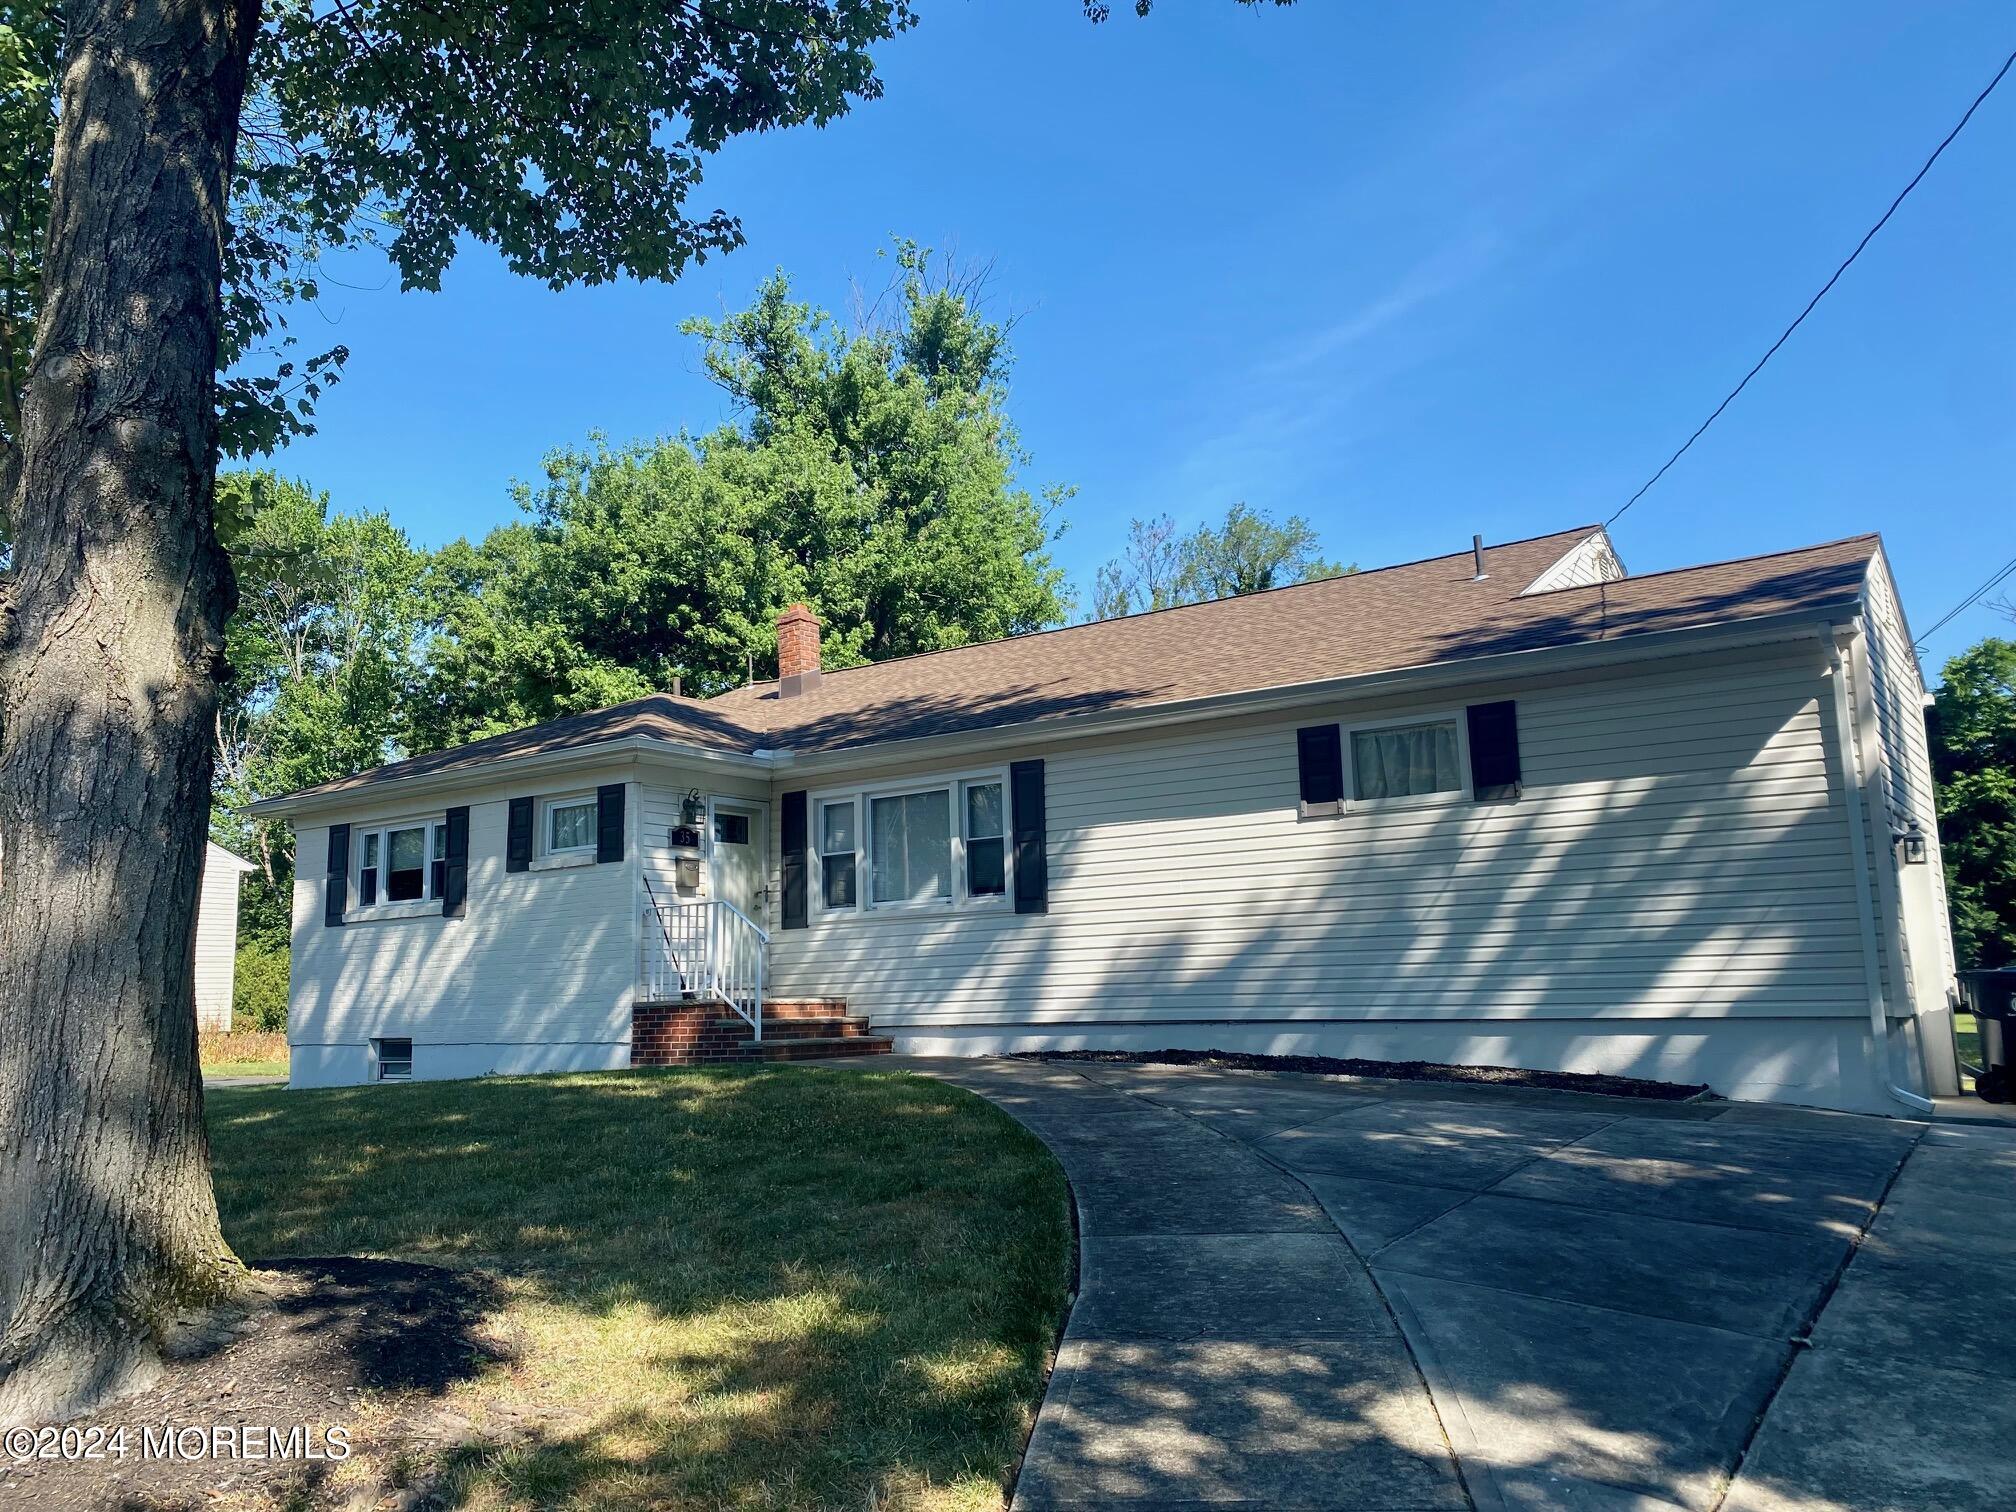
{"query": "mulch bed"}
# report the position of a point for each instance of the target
(1330, 1065)
(366, 1346)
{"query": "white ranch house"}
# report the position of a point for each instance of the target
(1509, 806)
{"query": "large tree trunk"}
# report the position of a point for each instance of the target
(110, 648)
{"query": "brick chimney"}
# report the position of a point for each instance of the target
(797, 651)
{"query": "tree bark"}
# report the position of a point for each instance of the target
(111, 637)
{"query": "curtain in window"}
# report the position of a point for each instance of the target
(910, 838)
(572, 826)
(1406, 760)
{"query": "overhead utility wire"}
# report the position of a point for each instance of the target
(1786, 336)
(1983, 591)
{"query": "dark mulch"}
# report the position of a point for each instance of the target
(1331, 1065)
(368, 1346)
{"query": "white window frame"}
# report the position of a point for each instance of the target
(816, 841)
(435, 826)
(547, 805)
(954, 786)
(1459, 794)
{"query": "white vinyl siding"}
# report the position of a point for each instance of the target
(1905, 786)
(1678, 853)
(663, 805)
(1591, 560)
(540, 957)
(217, 937)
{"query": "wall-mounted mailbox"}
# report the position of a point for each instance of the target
(688, 873)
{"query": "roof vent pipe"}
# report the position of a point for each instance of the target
(1477, 555)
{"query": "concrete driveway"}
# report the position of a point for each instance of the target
(1299, 1292)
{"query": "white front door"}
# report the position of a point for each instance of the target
(736, 849)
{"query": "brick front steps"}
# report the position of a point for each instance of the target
(712, 1034)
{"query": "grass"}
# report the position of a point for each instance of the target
(1967, 1036)
(242, 1053)
(722, 1289)
(245, 1068)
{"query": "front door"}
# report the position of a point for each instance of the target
(737, 853)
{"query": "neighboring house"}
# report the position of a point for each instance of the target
(1507, 807)
(217, 935)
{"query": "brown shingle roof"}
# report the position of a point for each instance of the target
(1416, 615)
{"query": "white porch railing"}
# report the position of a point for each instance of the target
(709, 950)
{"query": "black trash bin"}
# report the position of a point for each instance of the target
(1991, 997)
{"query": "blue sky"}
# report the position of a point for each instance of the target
(1410, 271)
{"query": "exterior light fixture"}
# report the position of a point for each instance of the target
(685, 835)
(1912, 843)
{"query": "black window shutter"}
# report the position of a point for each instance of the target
(455, 870)
(1319, 752)
(518, 836)
(1494, 750)
(1032, 874)
(336, 891)
(793, 838)
(609, 822)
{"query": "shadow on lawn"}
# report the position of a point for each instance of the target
(775, 1288)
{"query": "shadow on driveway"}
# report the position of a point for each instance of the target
(1309, 1293)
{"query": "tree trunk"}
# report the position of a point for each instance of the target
(111, 640)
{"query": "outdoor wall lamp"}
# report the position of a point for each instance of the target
(685, 835)
(1912, 843)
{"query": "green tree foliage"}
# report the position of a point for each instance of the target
(872, 473)
(569, 139)
(259, 988)
(324, 652)
(29, 38)
(1247, 553)
(1974, 762)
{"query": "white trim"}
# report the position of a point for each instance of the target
(953, 784)
(1461, 793)
(1593, 550)
(543, 807)
(1859, 804)
(1478, 671)
(433, 826)
(1807, 624)
(816, 805)
(565, 860)
(379, 913)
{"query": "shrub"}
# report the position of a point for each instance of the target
(259, 996)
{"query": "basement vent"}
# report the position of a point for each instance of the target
(395, 1059)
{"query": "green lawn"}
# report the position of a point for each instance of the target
(1968, 1032)
(1967, 1035)
(725, 1289)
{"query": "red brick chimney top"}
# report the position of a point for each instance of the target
(797, 650)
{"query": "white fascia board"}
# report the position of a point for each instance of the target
(1807, 624)
(504, 768)
(1652, 646)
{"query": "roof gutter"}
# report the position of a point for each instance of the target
(1807, 624)
(1765, 629)
(530, 764)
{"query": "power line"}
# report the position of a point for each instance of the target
(1787, 334)
(1967, 603)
